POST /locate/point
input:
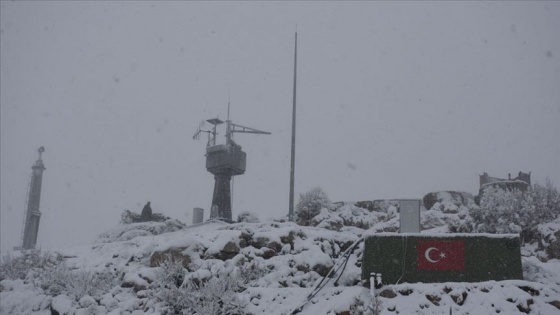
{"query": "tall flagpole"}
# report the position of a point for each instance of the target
(293, 159)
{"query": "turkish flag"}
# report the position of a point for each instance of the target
(441, 255)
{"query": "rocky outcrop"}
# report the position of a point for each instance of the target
(229, 251)
(448, 201)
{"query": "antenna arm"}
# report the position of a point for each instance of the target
(243, 129)
(196, 135)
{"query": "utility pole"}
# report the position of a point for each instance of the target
(293, 157)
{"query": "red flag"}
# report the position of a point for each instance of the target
(441, 255)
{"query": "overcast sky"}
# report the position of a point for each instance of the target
(395, 100)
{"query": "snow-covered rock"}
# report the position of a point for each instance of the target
(448, 201)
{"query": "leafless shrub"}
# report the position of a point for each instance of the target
(28, 262)
(76, 283)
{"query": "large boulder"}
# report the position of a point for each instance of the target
(230, 250)
(448, 201)
(549, 238)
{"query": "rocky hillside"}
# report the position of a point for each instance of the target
(265, 268)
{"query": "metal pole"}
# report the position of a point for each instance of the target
(293, 158)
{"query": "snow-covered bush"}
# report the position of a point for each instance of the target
(169, 287)
(509, 211)
(461, 225)
(250, 272)
(76, 283)
(512, 211)
(172, 273)
(363, 308)
(128, 217)
(546, 200)
(310, 204)
(503, 211)
(18, 266)
(48, 272)
(214, 296)
(248, 217)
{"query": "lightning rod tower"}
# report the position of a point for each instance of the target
(33, 215)
(224, 161)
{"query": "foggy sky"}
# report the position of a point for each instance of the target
(395, 100)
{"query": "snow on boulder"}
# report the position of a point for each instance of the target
(230, 250)
(327, 219)
(223, 245)
(171, 255)
(86, 301)
(349, 215)
(436, 219)
(24, 302)
(62, 305)
(551, 238)
(504, 297)
(448, 201)
(109, 302)
(135, 281)
(248, 217)
(128, 235)
(125, 232)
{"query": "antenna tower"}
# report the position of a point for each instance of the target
(224, 161)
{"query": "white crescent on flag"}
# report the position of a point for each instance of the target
(441, 255)
(427, 254)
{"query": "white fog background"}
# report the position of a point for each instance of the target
(395, 100)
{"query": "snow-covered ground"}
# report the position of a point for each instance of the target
(280, 265)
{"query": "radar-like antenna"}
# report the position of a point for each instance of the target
(211, 133)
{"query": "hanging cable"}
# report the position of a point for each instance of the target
(345, 257)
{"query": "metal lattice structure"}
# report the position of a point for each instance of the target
(32, 214)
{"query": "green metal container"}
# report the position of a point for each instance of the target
(416, 257)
